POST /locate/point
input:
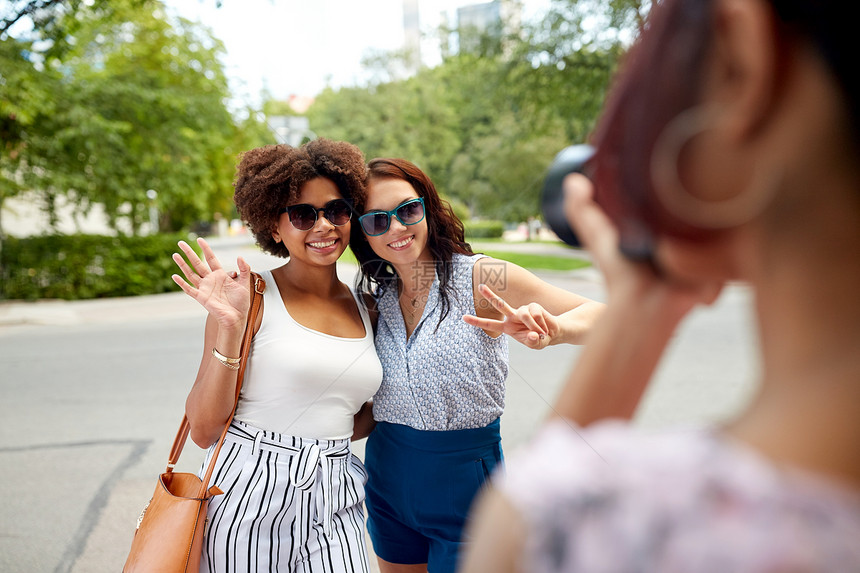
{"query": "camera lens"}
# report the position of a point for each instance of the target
(569, 160)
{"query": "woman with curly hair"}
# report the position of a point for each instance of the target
(437, 411)
(293, 491)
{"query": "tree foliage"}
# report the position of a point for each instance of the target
(117, 101)
(101, 100)
(487, 122)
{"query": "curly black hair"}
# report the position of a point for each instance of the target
(269, 177)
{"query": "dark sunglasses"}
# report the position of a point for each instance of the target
(304, 216)
(376, 223)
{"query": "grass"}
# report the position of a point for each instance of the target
(525, 260)
(501, 241)
(539, 262)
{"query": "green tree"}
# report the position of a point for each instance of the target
(382, 120)
(147, 111)
(500, 174)
(25, 98)
(54, 23)
(486, 123)
(139, 102)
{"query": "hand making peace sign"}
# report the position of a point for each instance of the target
(529, 324)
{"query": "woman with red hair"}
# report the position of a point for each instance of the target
(729, 151)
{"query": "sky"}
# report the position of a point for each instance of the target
(298, 47)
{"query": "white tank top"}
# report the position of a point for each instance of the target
(302, 382)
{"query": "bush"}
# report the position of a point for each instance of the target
(484, 229)
(461, 210)
(86, 266)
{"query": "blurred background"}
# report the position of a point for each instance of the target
(123, 119)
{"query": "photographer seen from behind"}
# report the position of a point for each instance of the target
(731, 146)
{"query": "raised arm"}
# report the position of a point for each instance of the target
(227, 299)
(627, 342)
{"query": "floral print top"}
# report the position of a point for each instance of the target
(612, 498)
(447, 375)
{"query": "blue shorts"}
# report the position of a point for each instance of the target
(420, 487)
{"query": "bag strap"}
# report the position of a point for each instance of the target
(185, 426)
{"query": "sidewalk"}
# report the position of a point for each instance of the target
(104, 310)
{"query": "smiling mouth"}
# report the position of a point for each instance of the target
(402, 242)
(323, 244)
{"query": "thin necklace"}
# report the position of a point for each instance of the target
(413, 305)
(424, 274)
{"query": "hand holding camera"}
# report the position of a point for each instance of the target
(573, 159)
(635, 240)
(574, 200)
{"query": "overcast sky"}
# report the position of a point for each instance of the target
(300, 46)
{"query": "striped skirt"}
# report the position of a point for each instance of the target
(289, 504)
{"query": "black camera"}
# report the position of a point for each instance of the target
(635, 238)
(573, 159)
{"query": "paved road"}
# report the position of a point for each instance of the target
(92, 393)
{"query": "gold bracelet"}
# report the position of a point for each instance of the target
(231, 363)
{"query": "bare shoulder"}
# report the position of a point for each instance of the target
(519, 286)
(494, 273)
(504, 278)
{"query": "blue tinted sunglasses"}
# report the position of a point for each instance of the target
(375, 223)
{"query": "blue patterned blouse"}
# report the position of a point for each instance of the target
(452, 378)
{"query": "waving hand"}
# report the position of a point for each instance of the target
(224, 295)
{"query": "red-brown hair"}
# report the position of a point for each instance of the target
(659, 79)
(445, 238)
(662, 77)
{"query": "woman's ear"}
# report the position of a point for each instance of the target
(733, 125)
(744, 65)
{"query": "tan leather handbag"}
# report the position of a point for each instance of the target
(169, 536)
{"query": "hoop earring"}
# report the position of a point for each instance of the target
(677, 200)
